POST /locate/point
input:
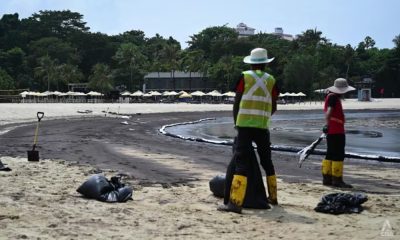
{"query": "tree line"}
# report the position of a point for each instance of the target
(50, 49)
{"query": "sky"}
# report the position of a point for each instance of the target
(341, 21)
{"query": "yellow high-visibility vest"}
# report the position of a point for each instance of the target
(256, 104)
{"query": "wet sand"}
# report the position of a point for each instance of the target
(139, 151)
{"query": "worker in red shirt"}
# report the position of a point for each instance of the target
(332, 165)
(255, 102)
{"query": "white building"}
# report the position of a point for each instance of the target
(279, 32)
(244, 30)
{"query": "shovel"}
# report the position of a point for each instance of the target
(33, 156)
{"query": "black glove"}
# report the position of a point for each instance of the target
(325, 129)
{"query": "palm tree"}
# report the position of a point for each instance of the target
(348, 58)
(46, 70)
(170, 55)
(101, 79)
(192, 62)
(129, 55)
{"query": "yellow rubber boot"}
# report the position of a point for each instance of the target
(272, 190)
(237, 194)
(326, 172)
(337, 175)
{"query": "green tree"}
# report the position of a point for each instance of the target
(369, 42)
(192, 62)
(227, 71)
(14, 62)
(300, 74)
(348, 58)
(6, 81)
(136, 37)
(129, 57)
(10, 32)
(210, 38)
(93, 48)
(59, 23)
(67, 73)
(101, 78)
(47, 71)
(396, 41)
(171, 59)
(55, 48)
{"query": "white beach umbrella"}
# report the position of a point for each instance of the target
(24, 93)
(301, 94)
(137, 94)
(57, 93)
(322, 90)
(185, 95)
(147, 95)
(229, 94)
(43, 94)
(198, 94)
(214, 93)
(80, 94)
(166, 93)
(94, 94)
(155, 93)
(47, 93)
(173, 93)
(126, 93)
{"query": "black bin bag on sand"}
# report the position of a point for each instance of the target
(100, 188)
(338, 203)
(255, 197)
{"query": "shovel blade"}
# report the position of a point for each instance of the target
(33, 156)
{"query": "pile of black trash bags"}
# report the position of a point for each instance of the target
(100, 188)
(338, 203)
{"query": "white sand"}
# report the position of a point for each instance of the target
(27, 111)
(39, 201)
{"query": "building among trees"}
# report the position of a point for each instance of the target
(279, 32)
(177, 81)
(244, 31)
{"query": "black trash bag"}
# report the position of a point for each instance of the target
(217, 185)
(100, 188)
(256, 196)
(338, 203)
(4, 168)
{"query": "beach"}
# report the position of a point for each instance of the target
(169, 176)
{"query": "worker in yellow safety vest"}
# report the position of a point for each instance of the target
(255, 102)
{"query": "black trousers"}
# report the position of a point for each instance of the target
(336, 144)
(245, 138)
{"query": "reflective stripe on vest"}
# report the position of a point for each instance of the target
(256, 103)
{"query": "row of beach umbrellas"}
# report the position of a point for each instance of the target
(59, 94)
(288, 94)
(181, 94)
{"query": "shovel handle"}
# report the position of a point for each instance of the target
(40, 115)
